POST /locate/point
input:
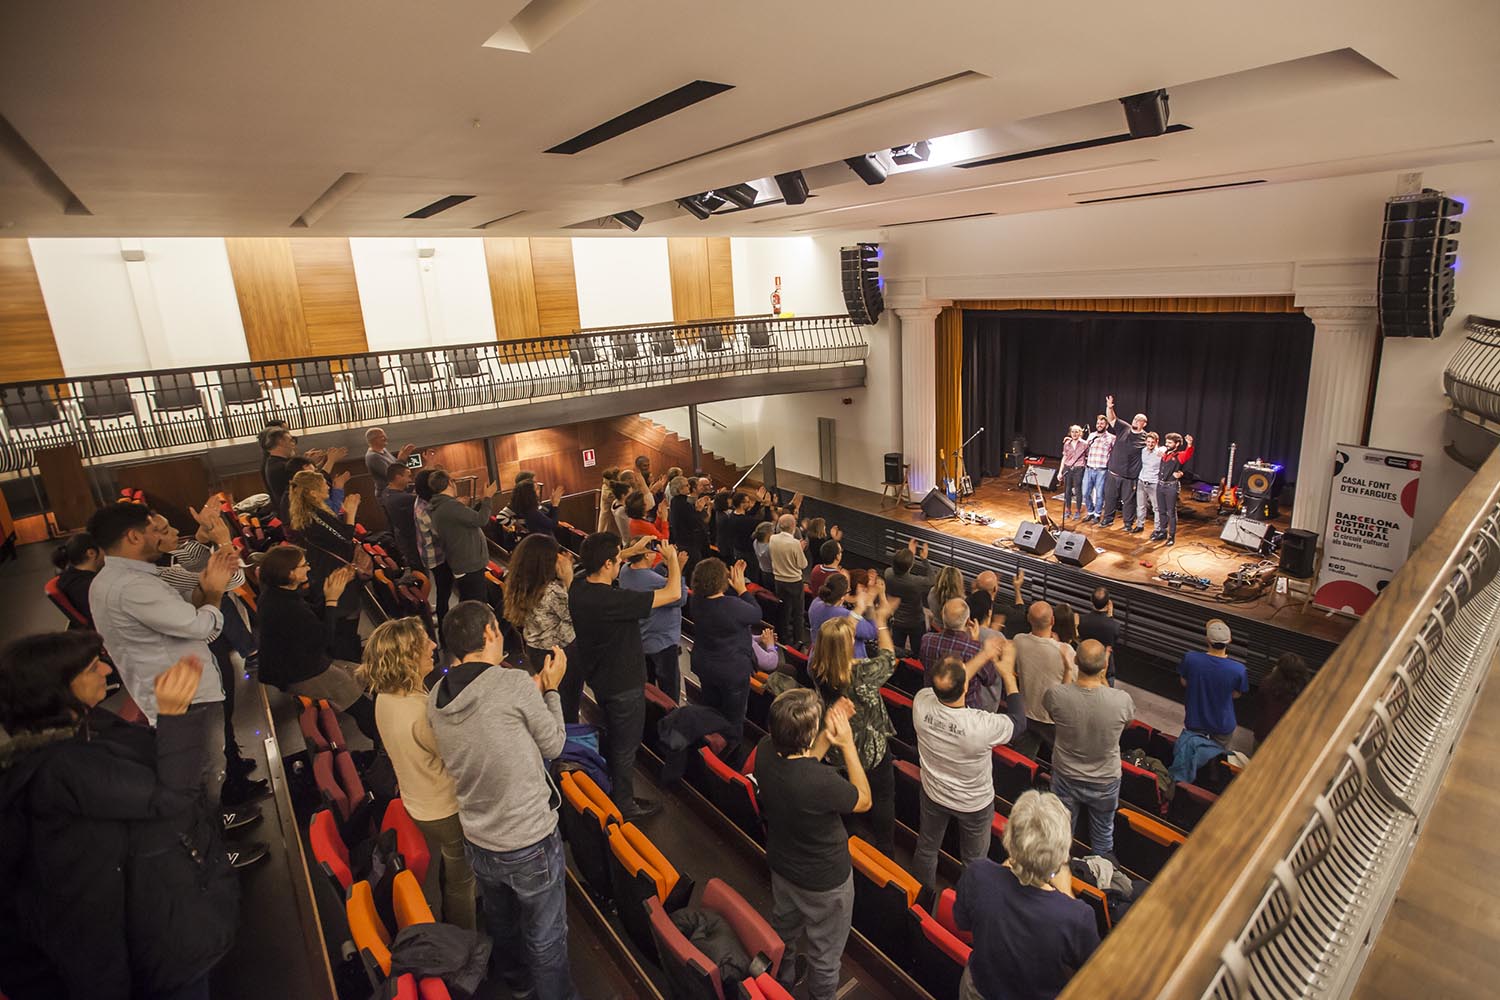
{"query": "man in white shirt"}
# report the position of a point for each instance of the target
(1145, 488)
(1042, 662)
(788, 561)
(953, 745)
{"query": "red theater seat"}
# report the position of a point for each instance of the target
(908, 676)
(909, 794)
(939, 956)
(409, 839)
(328, 848)
(1139, 787)
(732, 794)
(691, 974)
(998, 854)
(1096, 901)
(333, 794)
(658, 704)
(898, 707)
(1014, 773)
(1136, 736)
(1189, 804)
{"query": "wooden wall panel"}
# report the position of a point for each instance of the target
(324, 270)
(721, 277)
(556, 286)
(687, 259)
(25, 331)
(171, 486)
(265, 283)
(513, 286)
(67, 486)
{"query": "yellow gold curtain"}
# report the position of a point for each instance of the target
(949, 365)
(1166, 304)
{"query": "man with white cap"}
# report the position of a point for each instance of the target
(1213, 681)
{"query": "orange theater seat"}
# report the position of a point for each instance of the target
(410, 905)
(883, 892)
(365, 926)
(1144, 844)
(585, 816)
(639, 873)
(1097, 902)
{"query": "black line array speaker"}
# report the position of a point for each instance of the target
(1074, 549)
(1032, 537)
(861, 278)
(1299, 549)
(1418, 261)
(893, 465)
(937, 505)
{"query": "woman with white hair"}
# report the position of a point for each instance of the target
(1030, 934)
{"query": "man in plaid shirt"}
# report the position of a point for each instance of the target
(960, 638)
(1101, 443)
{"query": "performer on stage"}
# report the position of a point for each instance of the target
(1096, 466)
(1173, 469)
(1075, 453)
(1145, 488)
(1124, 465)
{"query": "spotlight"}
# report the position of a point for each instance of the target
(868, 167)
(912, 152)
(630, 220)
(1146, 114)
(743, 195)
(793, 187)
(701, 206)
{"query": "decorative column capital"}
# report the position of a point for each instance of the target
(925, 313)
(1342, 315)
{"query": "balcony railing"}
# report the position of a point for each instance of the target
(111, 416)
(1278, 891)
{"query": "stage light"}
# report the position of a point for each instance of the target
(630, 220)
(912, 152)
(1146, 114)
(701, 206)
(793, 187)
(743, 195)
(868, 167)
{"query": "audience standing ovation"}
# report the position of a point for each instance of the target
(908, 580)
(1042, 663)
(460, 528)
(788, 562)
(1089, 716)
(536, 603)
(722, 658)
(661, 630)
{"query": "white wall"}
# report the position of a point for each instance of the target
(389, 279)
(1331, 219)
(622, 281)
(809, 271)
(459, 279)
(730, 442)
(91, 305)
(194, 290)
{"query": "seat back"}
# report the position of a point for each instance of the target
(1138, 786)
(585, 815)
(639, 873)
(313, 378)
(1189, 804)
(691, 974)
(240, 387)
(626, 349)
(1014, 772)
(366, 373)
(332, 792)
(909, 794)
(663, 343)
(28, 406)
(349, 780)
(175, 391)
(418, 367)
(898, 707)
(942, 912)
(409, 840)
(328, 722)
(909, 676)
(1144, 844)
(328, 846)
(1135, 736)
(465, 362)
(939, 956)
(753, 930)
(407, 899)
(883, 892)
(658, 704)
(365, 926)
(55, 594)
(103, 398)
(732, 794)
(760, 335)
(307, 721)
(998, 853)
(713, 339)
(1096, 901)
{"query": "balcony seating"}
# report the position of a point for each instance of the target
(333, 793)
(585, 816)
(1139, 787)
(883, 892)
(179, 415)
(1144, 844)
(110, 423)
(691, 974)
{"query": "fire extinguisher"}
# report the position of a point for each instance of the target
(776, 298)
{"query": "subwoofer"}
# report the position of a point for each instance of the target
(1074, 549)
(1032, 537)
(937, 505)
(1299, 549)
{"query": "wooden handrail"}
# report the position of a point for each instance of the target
(1169, 944)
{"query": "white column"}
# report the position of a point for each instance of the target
(1338, 387)
(919, 395)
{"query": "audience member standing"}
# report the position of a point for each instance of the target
(1042, 663)
(378, 458)
(833, 601)
(280, 445)
(788, 563)
(1124, 465)
(429, 546)
(1096, 468)
(830, 562)
(78, 561)
(748, 511)
(948, 584)
(328, 539)
(1213, 681)
(536, 603)
(1065, 625)
(398, 500)
(1288, 679)
(907, 581)
(956, 640)
(1089, 716)
(495, 730)
(954, 744)
(608, 625)
(687, 520)
(722, 658)
(398, 655)
(1030, 934)
(1071, 469)
(838, 675)
(1102, 626)
(807, 848)
(540, 518)
(461, 530)
(99, 900)
(661, 630)
(606, 519)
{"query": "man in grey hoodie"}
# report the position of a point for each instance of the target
(496, 728)
(460, 528)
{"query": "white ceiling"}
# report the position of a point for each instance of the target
(220, 118)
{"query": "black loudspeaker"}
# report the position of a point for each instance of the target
(936, 504)
(1299, 549)
(1260, 508)
(1246, 533)
(1146, 114)
(1260, 479)
(793, 187)
(1074, 549)
(893, 465)
(1043, 477)
(860, 270)
(1418, 261)
(1032, 537)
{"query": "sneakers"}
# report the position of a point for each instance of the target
(239, 819)
(1157, 536)
(1137, 529)
(240, 791)
(242, 856)
(1087, 518)
(640, 809)
(1171, 541)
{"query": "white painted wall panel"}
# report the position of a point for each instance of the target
(461, 280)
(200, 316)
(389, 278)
(91, 306)
(622, 281)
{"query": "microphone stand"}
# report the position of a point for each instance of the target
(964, 464)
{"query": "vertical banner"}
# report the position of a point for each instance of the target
(1368, 534)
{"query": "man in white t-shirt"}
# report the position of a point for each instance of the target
(1042, 663)
(954, 744)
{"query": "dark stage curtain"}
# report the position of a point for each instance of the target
(1219, 377)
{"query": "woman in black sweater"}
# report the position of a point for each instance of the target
(328, 540)
(297, 644)
(78, 561)
(722, 657)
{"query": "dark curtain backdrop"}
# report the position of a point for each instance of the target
(1220, 377)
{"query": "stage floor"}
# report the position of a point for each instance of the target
(1130, 558)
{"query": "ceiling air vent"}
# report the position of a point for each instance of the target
(659, 107)
(441, 205)
(1067, 147)
(1159, 194)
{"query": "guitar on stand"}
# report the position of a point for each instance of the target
(965, 484)
(1038, 500)
(950, 488)
(1228, 494)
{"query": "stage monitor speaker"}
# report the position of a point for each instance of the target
(1044, 477)
(1260, 479)
(1074, 549)
(893, 465)
(1032, 537)
(1299, 548)
(1245, 533)
(936, 504)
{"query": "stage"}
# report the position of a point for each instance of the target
(1122, 557)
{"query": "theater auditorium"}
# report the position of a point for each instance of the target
(903, 502)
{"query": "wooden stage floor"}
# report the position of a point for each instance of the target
(1121, 556)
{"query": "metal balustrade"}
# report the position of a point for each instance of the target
(153, 412)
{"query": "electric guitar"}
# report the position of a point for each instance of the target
(949, 487)
(1228, 494)
(965, 484)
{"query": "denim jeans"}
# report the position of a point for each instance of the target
(974, 830)
(1101, 799)
(1145, 502)
(1093, 491)
(526, 910)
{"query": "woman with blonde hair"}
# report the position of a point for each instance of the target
(328, 539)
(948, 585)
(398, 655)
(838, 675)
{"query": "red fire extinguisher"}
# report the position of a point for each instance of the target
(776, 298)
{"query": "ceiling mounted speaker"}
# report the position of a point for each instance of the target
(694, 206)
(630, 220)
(793, 187)
(743, 195)
(868, 167)
(1146, 114)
